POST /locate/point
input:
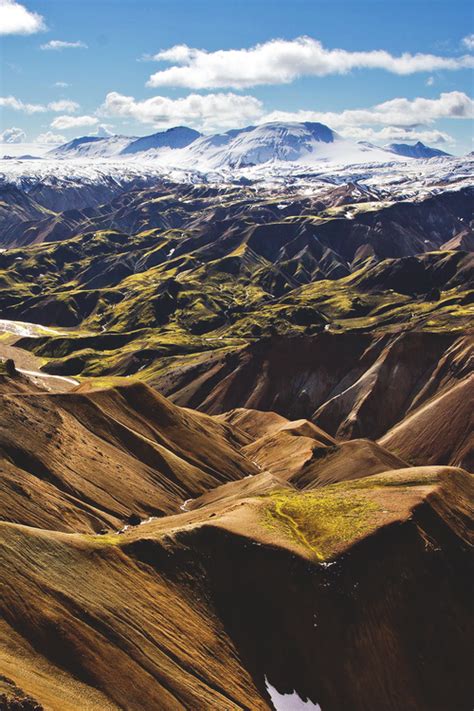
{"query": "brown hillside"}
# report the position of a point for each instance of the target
(191, 611)
(85, 461)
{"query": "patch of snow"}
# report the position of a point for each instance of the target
(23, 328)
(39, 375)
(149, 520)
(289, 702)
(128, 526)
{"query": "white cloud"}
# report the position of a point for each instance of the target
(396, 112)
(61, 84)
(468, 41)
(103, 131)
(13, 135)
(389, 134)
(220, 111)
(282, 61)
(51, 138)
(62, 123)
(208, 112)
(15, 19)
(64, 105)
(430, 81)
(11, 102)
(60, 44)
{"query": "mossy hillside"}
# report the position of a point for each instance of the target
(331, 518)
(186, 284)
(320, 522)
(215, 316)
(144, 358)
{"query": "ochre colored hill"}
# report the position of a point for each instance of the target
(83, 461)
(441, 430)
(346, 461)
(196, 610)
(351, 386)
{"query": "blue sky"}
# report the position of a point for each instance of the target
(284, 67)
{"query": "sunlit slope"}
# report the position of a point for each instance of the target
(193, 610)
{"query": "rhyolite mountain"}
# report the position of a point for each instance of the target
(144, 568)
(236, 442)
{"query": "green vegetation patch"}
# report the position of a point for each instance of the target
(321, 521)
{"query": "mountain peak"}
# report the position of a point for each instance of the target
(175, 137)
(417, 150)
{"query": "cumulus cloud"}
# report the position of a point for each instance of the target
(15, 19)
(61, 84)
(103, 131)
(282, 61)
(51, 138)
(220, 111)
(64, 105)
(62, 123)
(468, 41)
(208, 112)
(11, 102)
(389, 134)
(60, 44)
(396, 112)
(12, 135)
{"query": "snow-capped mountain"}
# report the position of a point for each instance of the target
(262, 144)
(272, 143)
(272, 151)
(419, 150)
(178, 137)
(92, 147)
(111, 146)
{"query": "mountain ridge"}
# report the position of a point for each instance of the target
(418, 150)
(273, 142)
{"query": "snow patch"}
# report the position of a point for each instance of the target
(24, 328)
(289, 702)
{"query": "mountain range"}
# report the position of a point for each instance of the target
(236, 442)
(272, 143)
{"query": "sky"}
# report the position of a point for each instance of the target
(373, 70)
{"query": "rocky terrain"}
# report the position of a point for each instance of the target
(236, 443)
